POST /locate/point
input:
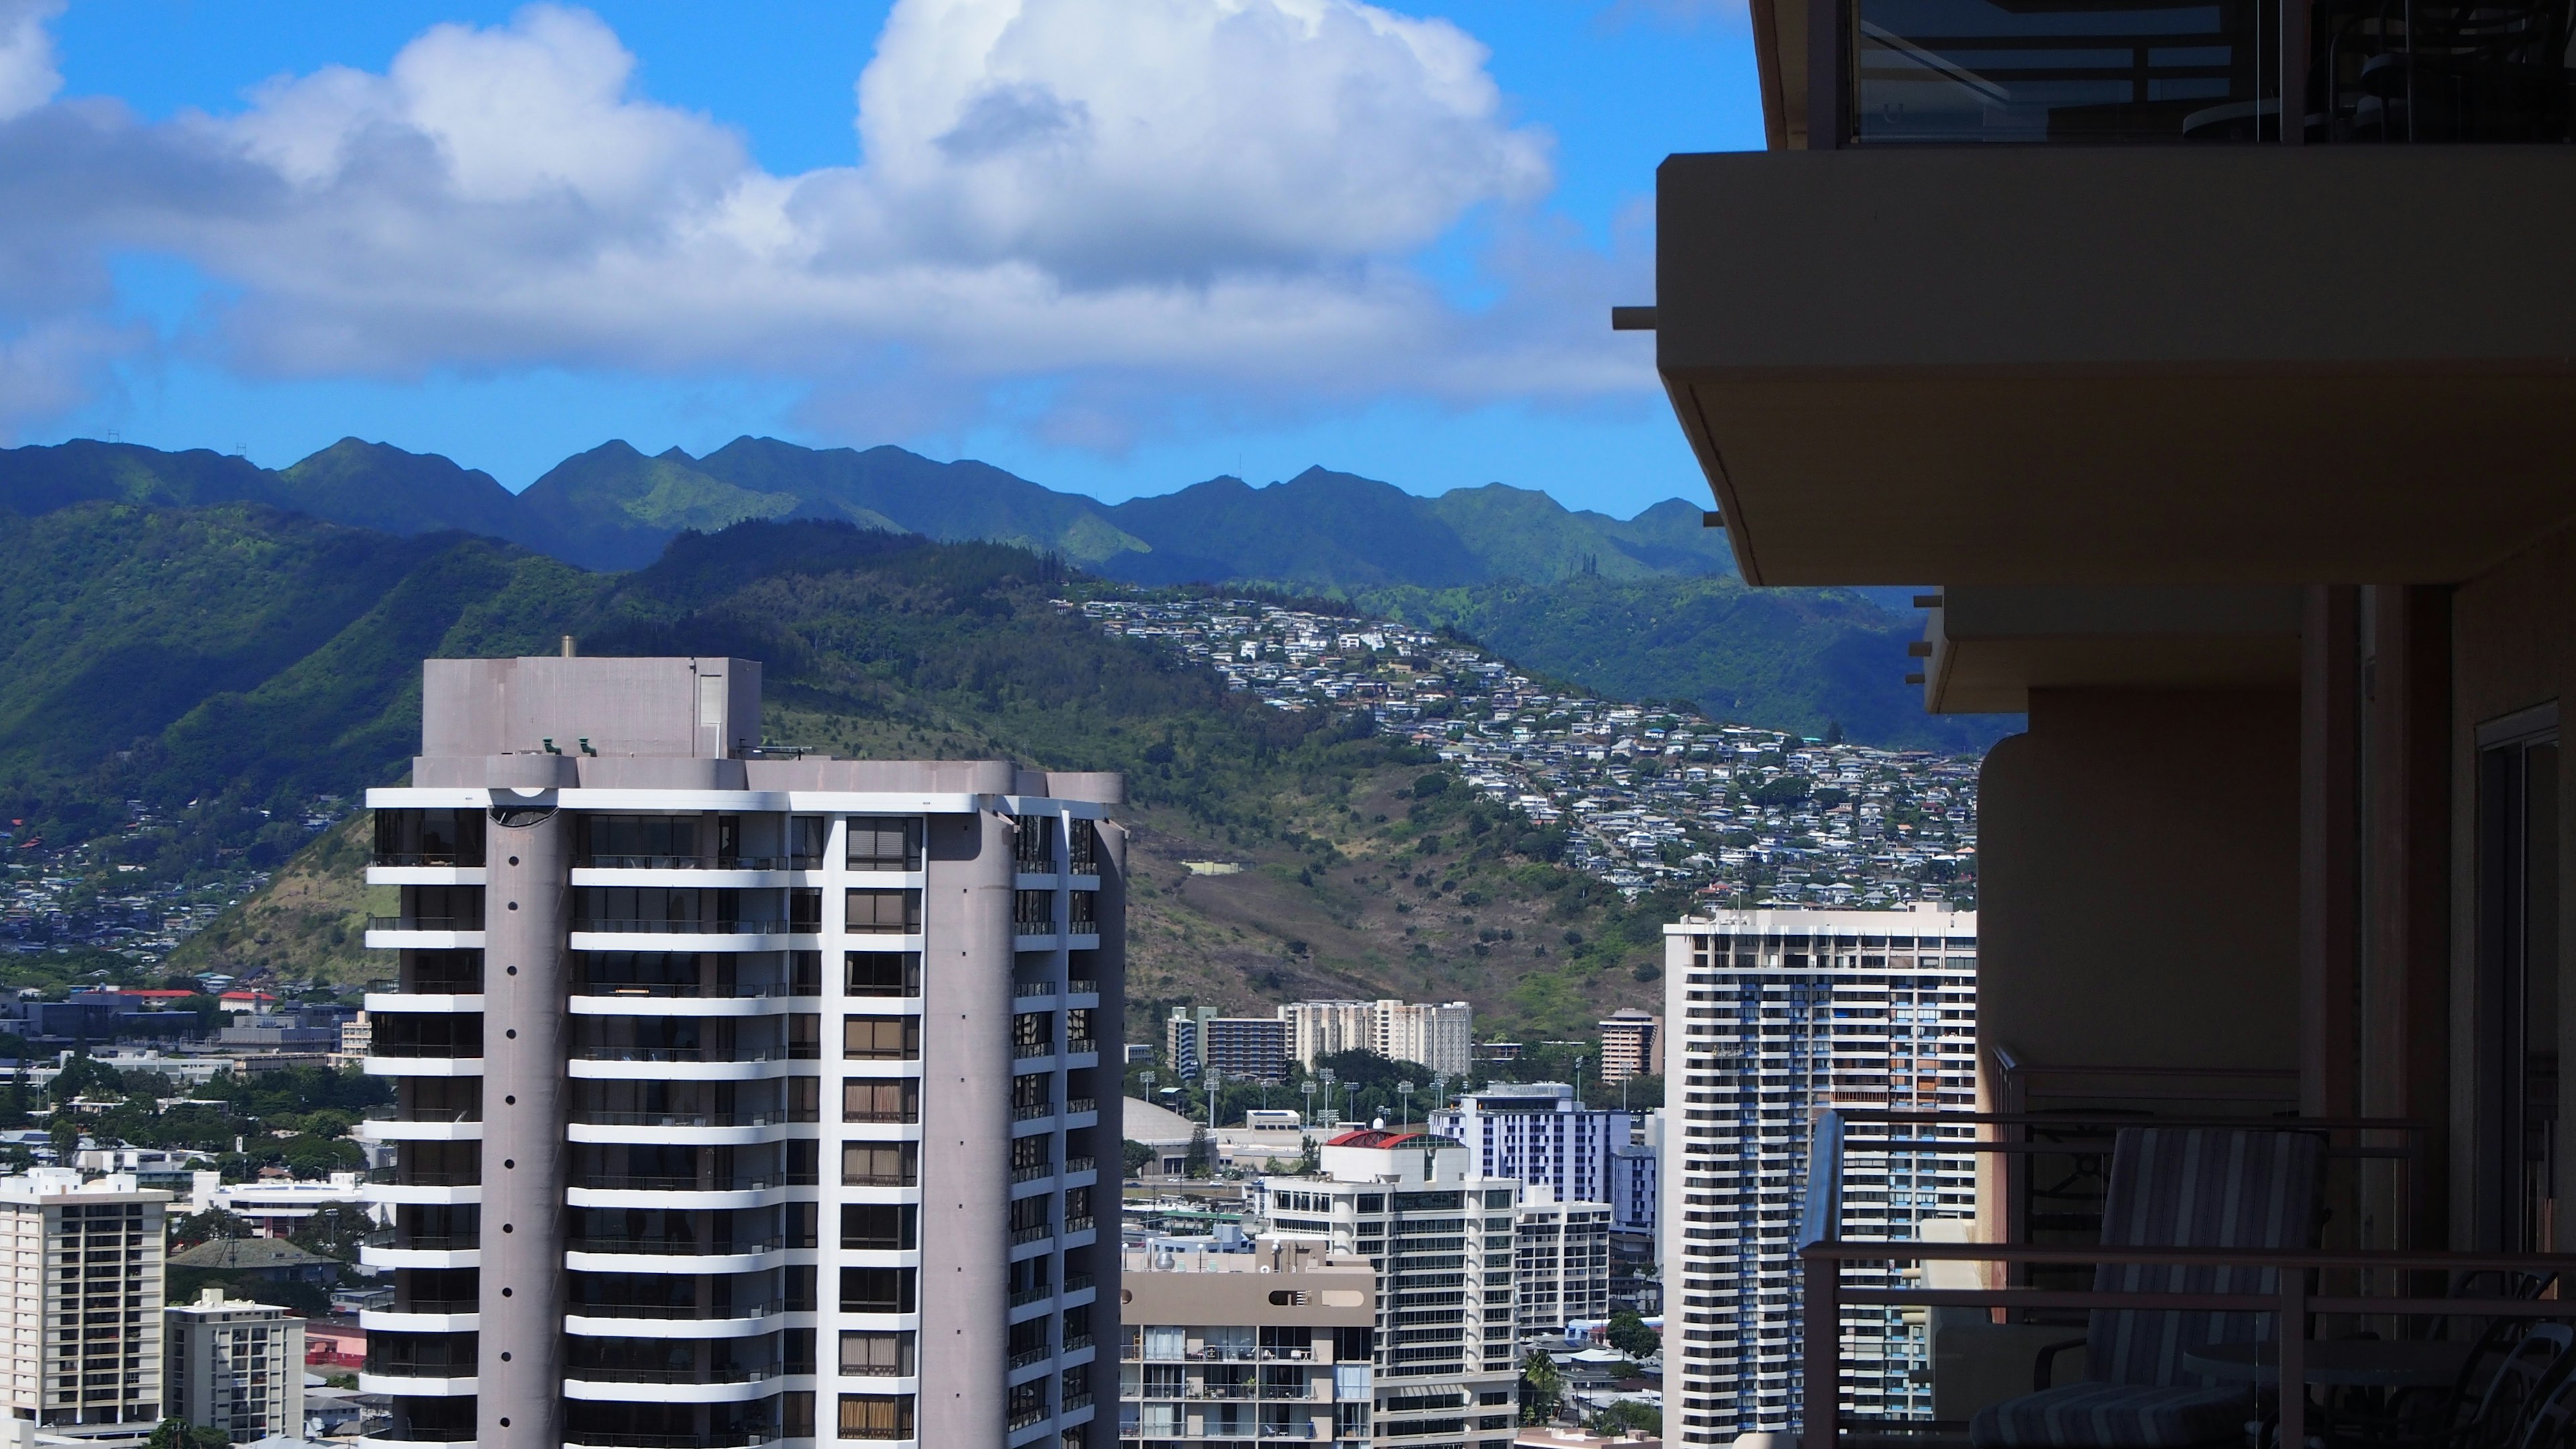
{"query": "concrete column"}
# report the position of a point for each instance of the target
(526, 1041)
(967, 941)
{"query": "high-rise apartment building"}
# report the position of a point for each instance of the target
(1441, 1037)
(1240, 1048)
(1788, 1012)
(1560, 1262)
(1537, 1132)
(85, 1298)
(1632, 1045)
(742, 1096)
(1221, 1349)
(1636, 1185)
(235, 1365)
(1442, 1241)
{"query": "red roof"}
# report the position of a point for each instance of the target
(1380, 1137)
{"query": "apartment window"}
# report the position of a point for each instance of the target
(877, 1290)
(880, 1227)
(1033, 1034)
(805, 835)
(805, 973)
(876, 1416)
(881, 1101)
(877, 1355)
(1077, 1030)
(804, 1099)
(1032, 1154)
(884, 973)
(881, 1038)
(879, 1164)
(1086, 913)
(429, 837)
(805, 909)
(640, 840)
(443, 908)
(1033, 912)
(884, 843)
(885, 913)
(1082, 842)
(1033, 848)
(805, 1036)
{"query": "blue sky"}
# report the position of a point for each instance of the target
(1112, 245)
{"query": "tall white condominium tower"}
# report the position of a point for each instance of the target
(1437, 1036)
(1784, 1013)
(85, 1345)
(743, 1097)
(1441, 1239)
(237, 1366)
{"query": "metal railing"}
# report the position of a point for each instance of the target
(673, 1247)
(1082, 986)
(596, 1053)
(1031, 1111)
(695, 862)
(1032, 1233)
(729, 1182)
(1032, 1172)
(1079, 1164)
(424, 923)
(450, 859)
(597, 1117)
(1028, 1356)
(1025, 990)
(595, 1375)
(441, 1307)
(396, 1238)
(700, 927)
(687, 1312)
(454, 1050)
(702, 990)
(1075, 1106)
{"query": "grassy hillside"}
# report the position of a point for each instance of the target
(1366, 870)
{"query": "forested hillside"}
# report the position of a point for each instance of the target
(215, 663)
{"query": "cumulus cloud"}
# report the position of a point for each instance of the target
(1125, 199)
(28, 78)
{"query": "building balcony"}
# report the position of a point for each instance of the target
(391, 1253)
(399, 1129)
(458, 1316)
(2032, 381)
(743, 873)
(638, 1320)
(379, 1002)
(420, 870)
(682, 1067)
(388, 1062)
(663, 1256)
(418, 1386)
(647, 1387)
(423, 933)
(698, 935)
(683, 1129)
(713, 1439)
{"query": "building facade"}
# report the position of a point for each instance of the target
(1636, 1185)
(695, 1042)
(1537, 1132)
(1560, 1262)
(1241, 1048)
(1439, 1037)
(1227, 1348)
(1632, 1045)
(1442, 1241)
(235, 1365)
(1787, 1013)
(85, 1327)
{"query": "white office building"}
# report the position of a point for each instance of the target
(743, 1096)
(1537, 1132)
(237, 1366)
(1782, 1014)
(1442, 1240)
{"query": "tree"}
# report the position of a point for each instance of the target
(1629, 1334)
(63, 1133)
(207, 1226)
(1201, 1160)
(335, 1232)
(1542, 1389)
(1135, 1157)
(1628, 1414)
(180, 1434)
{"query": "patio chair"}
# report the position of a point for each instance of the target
(2255, 1189)
(2551, 1423)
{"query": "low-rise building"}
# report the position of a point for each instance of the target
(235, 1365)
(1219, 1347)
(1560, 1262)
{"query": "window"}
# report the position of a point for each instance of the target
(805, 835)
(805, 973)
(805, 909)
(1030, 1154)
(805, 1036)
(879, 842)
(881, 1038)
(1083, 847)
(881, 1227)
(1033, 848)
(1086, 913)
(1077, 1030)
(879, 1164)
(884, 973)
(2516, 1005)
(1033, 913)
(884, 913)
(641, 840)
(876, 1416)
(883, 1101)
(877, 1355)
(1033, 1034)
(877, 1290)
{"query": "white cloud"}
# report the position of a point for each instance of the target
(28, 78)
(1127, 201)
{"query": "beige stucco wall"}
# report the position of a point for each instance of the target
(2138, 881)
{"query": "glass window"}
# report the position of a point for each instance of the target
(876, 1416)
(884, 843)
(884, 912)
(879, 1164)
(877, 1355)
(1950, 71)
(881, 1101)
(881, 1038)
(1166, 1342)
(884, 973)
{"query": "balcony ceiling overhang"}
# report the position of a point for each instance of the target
(2039, 365)
(1993, 644)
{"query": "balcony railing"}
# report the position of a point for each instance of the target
(456, 1050)
(399, 1176)
(396, 1238)
(1028, 1356)
(1031, 1172)
(701, 926)
(1032, 1233)
(1078, 1105)
(678, 1311)
(704, 990)
(472, 859)
(1080, 1224)
(673, 1247)
(1082, 986)
(1024, 990)
(711, 1439)
(1080, 1164)
(693, 862)
(447, 1307)
(677, 1054)
(719, 1182)
(595, 1375)
(1031, 1111)
(424, 923)
(598, 1117)
(1026, 1296)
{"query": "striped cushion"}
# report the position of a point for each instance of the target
(2114, 1416)
(2196, 1188)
